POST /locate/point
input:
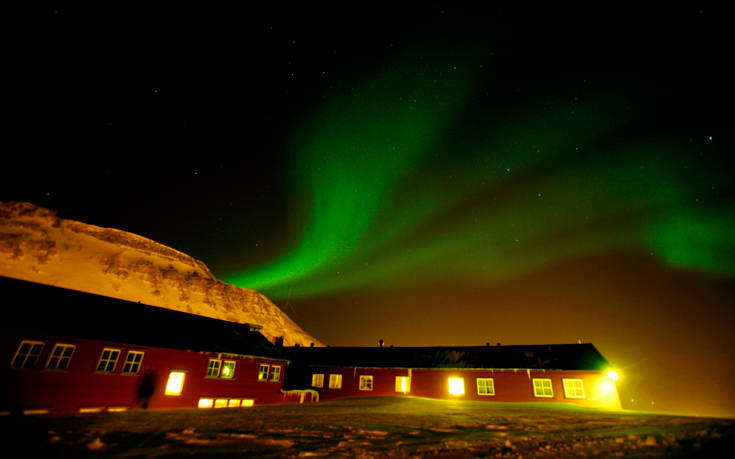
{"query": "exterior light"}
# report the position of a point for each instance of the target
(456, 386)
(613, 375)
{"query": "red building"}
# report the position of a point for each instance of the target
(571, 373)
(74, 351)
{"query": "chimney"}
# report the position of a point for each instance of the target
(278, 341)
(380, 342)
(311, 344)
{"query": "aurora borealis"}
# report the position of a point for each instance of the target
(431, 176)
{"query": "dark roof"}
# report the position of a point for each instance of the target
(547, 356)
(33, 308)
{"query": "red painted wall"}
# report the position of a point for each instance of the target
(81, 386)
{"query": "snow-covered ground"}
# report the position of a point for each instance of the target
(373, 427)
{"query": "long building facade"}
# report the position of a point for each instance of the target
(69, 351)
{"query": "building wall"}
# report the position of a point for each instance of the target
(81, 386)
(509, 385)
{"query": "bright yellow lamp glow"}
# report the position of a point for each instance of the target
(607, 387)
(612, 374)
(206, 403)
(456, 386)
(175, 383)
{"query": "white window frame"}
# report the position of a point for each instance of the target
(275, 373)
(317, 380)
(572, 391)
(366, 383)
(335, 381)
(29, 355)
(117, 352)
(263, 375)
(489, 384)
(222, 369)
(134, 366)
(542, 393)
(214, 370)
(61, 357)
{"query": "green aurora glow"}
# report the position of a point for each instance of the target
(402, 182)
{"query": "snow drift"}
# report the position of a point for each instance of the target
(38, 246)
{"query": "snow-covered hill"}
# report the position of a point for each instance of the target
(36, 245)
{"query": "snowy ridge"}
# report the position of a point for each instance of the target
(38, 246)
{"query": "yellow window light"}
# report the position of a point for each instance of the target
(613, 375)
(91, 409)
(175, 383)
(248, 402)
(456, 386)
(220, 403)
(206, 403)
(233, 403)
(117, 409)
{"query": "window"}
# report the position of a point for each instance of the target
(275, 373)
(206, 403)
(228, 369)
(60, 356)
(573, 388)
(213, 368)
(132, 362)
(485, 386)
(456, 386)
(27, 354)
(542, 388)
(317, 380)
(403, 384)
(175, 383)
(108, 360)
(220, 403)
(335, 381)
(366, 382)
(263, 373)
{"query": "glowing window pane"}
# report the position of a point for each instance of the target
(175, 383)
(335, 381)
(317, 380)
(117, 409)
(205, 403)
(485, 386)
(456, 386)
(366, 382)
(403, 384)
(233, 403)
(248, 402)
(542, 387)
(213, 368)
(573, 388)
(275, 373)
(228, 369)
(263, 373)
(220, 403)
(91, 409)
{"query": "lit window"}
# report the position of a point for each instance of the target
(220, 403)
(27, 354)
(335, 381)
(542, 388)
(263, 373)
(403, 384)
(573, 388)
(228, 369)
(132, 362)
(485, 386)
(206, 403)
(108, 360)
(456, 386)
(366, 382)
(233, 403)
(91, 409)
(275, 373)
(175, 383)
(60, 356)
(213, 368)
(117, 409)
(247, 402)
(317, 380)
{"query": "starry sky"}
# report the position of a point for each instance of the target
(434, 175)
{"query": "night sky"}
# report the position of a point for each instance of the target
(431, 176)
